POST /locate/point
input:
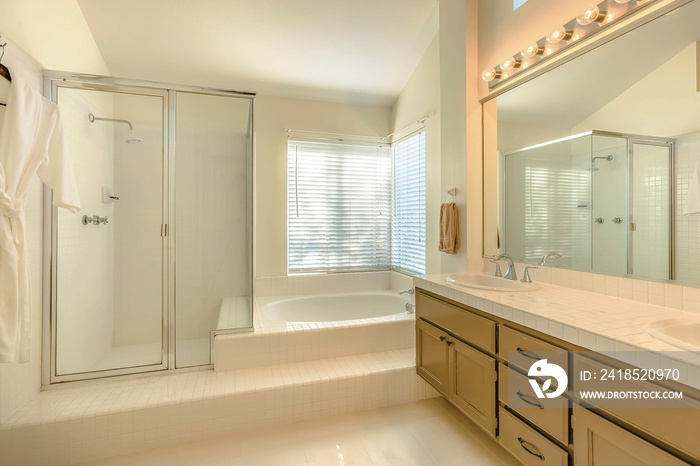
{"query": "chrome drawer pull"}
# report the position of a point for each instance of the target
(523, 397)
(522, 444)
(528, 354)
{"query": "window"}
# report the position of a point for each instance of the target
(339, 207)
(408, 219)
(518, 3)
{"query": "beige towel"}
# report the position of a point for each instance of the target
(449, 228)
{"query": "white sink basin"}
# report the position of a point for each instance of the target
(682, 334)
(489, 282)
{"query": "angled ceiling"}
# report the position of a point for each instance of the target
(359, 51)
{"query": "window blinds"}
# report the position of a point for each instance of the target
(408, 223)
(339, 207)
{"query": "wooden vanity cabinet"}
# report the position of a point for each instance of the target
(472, 384)
(465, 375)
(432, 356)
(599, 442)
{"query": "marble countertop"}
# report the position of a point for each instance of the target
(590, 320)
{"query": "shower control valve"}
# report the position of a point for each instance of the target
(618, 220)
(104, 220)
(598, 220)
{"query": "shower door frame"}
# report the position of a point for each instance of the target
(168, 92)
(669, 143)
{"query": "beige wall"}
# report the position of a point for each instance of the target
(54, 33)
(272, 116)
(421, 97)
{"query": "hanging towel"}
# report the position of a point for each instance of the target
(692, 202)
(449, 228)
(31, 142)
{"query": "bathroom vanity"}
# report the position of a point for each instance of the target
(465, 346)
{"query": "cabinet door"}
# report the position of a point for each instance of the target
(472, 388)
(431, 355)
(599, 442)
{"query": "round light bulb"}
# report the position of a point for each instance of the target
(510, 64)
(489, 74)
(592, 14)
(532, 50)
(559, 35)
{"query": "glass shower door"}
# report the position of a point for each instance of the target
(608, 172)
(108, 293)
(650, 210)
(213, 220)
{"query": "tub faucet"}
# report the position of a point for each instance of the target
(408, 291)
(510, 272)
(554, 254)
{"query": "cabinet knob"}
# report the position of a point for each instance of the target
(449, 342)
(442, 338)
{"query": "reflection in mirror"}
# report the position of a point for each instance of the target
(593, 160)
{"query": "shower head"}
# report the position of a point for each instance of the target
(132, 139)
(593, 167)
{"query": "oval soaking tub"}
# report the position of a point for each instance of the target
(274, 312)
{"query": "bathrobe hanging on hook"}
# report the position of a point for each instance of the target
(31, 141)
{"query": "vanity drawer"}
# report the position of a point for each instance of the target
(551, 414)
(472, 328)
(523, 442)
(678, 427)
(523, 350)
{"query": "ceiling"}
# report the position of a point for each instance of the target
(358, 51)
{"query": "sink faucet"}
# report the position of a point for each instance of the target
(408, 291)
(510, 272)
(554, 254)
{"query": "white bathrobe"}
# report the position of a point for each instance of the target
(31, 141)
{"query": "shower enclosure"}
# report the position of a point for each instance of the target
(601, 200)
(160, 257)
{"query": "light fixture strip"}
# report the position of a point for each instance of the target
(585, 25)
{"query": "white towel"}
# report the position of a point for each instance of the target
(692, 202)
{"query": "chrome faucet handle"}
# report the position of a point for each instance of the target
(526, 274)
(497, 272)
(510, 273)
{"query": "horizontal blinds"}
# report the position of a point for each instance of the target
(557, 215)
(408, 222)
(339, 207)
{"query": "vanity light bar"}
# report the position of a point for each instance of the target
(595, 18)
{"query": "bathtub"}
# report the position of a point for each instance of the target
(276, 311)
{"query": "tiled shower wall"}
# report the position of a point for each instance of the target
(687, 226)
(19, 383)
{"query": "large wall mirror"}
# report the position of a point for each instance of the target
(593, 160)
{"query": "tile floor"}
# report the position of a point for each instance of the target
(427, 432)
